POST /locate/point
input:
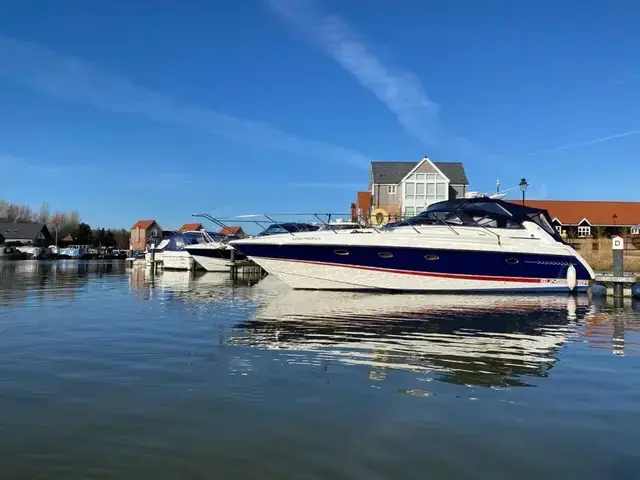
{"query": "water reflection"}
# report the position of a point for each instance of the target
(489, 340)
(188, 286)
(610, 323)
(201, 287)
(481, 340)
(26, 280)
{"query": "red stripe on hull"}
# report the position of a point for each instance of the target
(421, 274)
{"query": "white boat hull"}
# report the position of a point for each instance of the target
(212, 264)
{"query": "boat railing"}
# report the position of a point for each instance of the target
(264, 220)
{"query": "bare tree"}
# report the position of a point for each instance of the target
(43, 216)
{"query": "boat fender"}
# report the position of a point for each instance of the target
(572, 279)
(599, 290)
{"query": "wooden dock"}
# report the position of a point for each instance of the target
(246, 269)
(617, 286)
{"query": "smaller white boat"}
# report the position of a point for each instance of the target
(212, 252)
(171, 253)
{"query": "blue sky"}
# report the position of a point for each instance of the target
(128, 110)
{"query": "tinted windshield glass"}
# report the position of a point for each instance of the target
(541, 220)
(288, 228)
(463, 214)
(342, 226)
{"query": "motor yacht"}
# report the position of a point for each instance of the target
(212, 251)
(475, 244)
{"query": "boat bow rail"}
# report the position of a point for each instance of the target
(290, 223)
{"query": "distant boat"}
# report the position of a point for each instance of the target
(75, 252)
(10, 253)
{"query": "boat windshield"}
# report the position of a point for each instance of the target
(292, 227)
(481, 212)
(342, 226)
(193, 238)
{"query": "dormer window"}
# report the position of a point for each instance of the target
(584, 231)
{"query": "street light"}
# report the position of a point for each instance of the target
(523, 187)
(614, 217)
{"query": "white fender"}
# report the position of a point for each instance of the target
(571, 278)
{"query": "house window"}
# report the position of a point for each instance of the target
(409, 190)
(584, 231)
(635, 230)
(153, 233)
(559, 229)
(421, 190)
(391, 189)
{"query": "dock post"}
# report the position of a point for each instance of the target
(618, 265)
(153, 258)
(234, 268)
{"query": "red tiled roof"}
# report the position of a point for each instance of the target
(68, 238)
(231, 230)
(597, 213)
(144, 224)
(191, 227)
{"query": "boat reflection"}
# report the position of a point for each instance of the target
(184, 285)
(43, 280)
(477, 340)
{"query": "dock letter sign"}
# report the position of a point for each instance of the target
(618, 243)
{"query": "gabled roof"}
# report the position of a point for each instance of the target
(20, 231)
(230, 231)
(572, 212)
(394, 172)
(68, 239)
(191, 227)
(144, 224)
(419, 164)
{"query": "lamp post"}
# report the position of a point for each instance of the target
(614, 217)
(523, 187)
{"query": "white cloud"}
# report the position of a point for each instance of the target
(73, 79)
(12, 162)
(399, 89)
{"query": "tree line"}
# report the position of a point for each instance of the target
(61, 224)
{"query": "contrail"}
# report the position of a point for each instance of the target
(585, 143)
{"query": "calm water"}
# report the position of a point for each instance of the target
(108, 373)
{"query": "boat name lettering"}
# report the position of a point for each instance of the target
(306, 238)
